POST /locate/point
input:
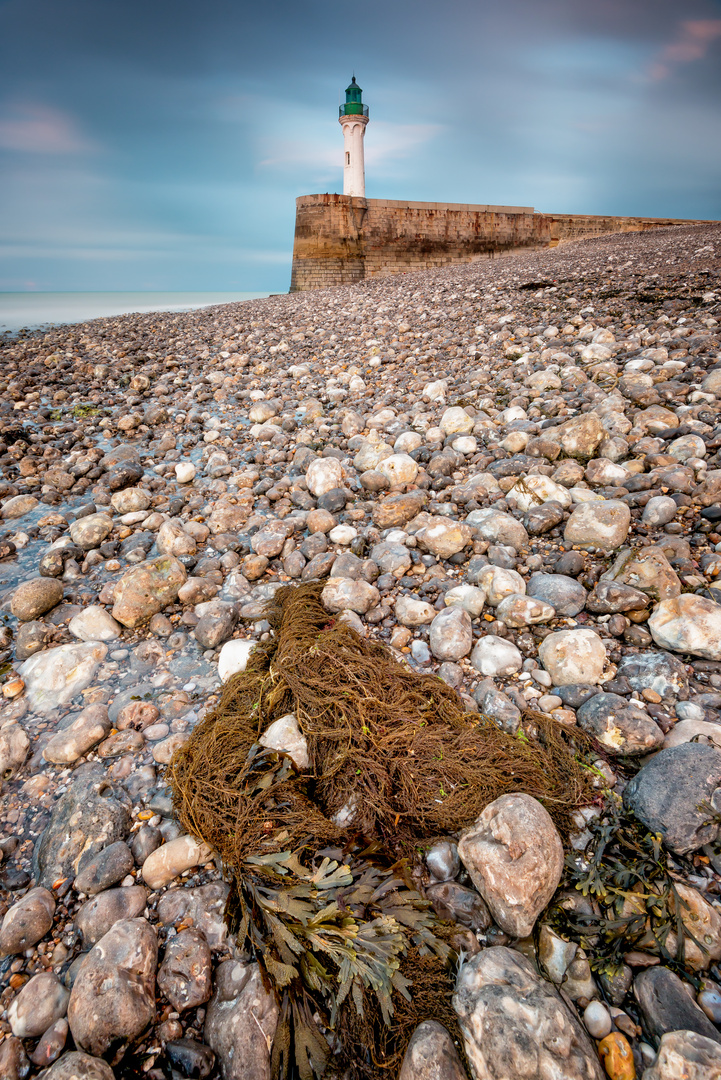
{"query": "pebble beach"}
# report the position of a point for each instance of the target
(509, 474)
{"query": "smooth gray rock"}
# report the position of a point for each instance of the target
(672, 795)
(431, 1055)
(27, 921)
(100, 914)
(112, 1002)
(516, 1024)
(93, 813)
(190, 1058)
(565, 594)
(666, 1006)
(240, 1022)
(451, 634)
(106, 868)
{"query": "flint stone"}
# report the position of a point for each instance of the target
(517, 610)
(112, 1002)
(666, 1006)
(76, 1065)
(498, 582)
(669, 794)
(170, 860)
(454, 902)
(469, 597)
(190, 1058)
(516, 1024)
(648, 570)
(431, 1055)
(499, 707)
(618, 725)
(451, 634)
(42, 1001)
(285, 734)
(541, 519)
(609, 597)
(14, 746)
(602, 525)
(410, 612)
(323, 474)
(94, 623)
(106, 868)
(443, 536)
(185, 976)
(514, 855)
(341, 594)
(494, 656)
(34, 597)
(240, 1022)
(27, 921)
(100, 914)
(91, 814)
(688, 624)
(566, 595)
(89, 532)
(499, 528)
(89, 727)
(202, 906)
(686, 1054)
(147, 589)
(659, 671)
(659, 510)
(397, 510)
(56, 676)
(573, 656)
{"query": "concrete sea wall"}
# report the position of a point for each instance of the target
(340, 240)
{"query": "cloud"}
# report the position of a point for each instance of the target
(692, 43)
(34, 128)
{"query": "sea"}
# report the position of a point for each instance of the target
(35, 310)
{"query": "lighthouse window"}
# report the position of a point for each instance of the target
(347, 157)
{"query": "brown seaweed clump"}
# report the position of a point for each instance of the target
(351, 949)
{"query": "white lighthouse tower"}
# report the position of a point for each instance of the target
(353, 119)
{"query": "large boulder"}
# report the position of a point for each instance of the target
(516, 1024)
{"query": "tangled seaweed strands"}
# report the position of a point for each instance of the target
(393, 749)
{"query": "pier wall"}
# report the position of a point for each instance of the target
(341, 240)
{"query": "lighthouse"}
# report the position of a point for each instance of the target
(353, 119)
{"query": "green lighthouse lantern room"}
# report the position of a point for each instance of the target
(353, 102)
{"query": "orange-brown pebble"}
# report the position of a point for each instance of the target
(617, 1057)
(651, 695)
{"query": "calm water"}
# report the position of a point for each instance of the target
(33, 309)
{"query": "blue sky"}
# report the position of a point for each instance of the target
(159, 145)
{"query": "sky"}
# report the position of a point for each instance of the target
(150, 144)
